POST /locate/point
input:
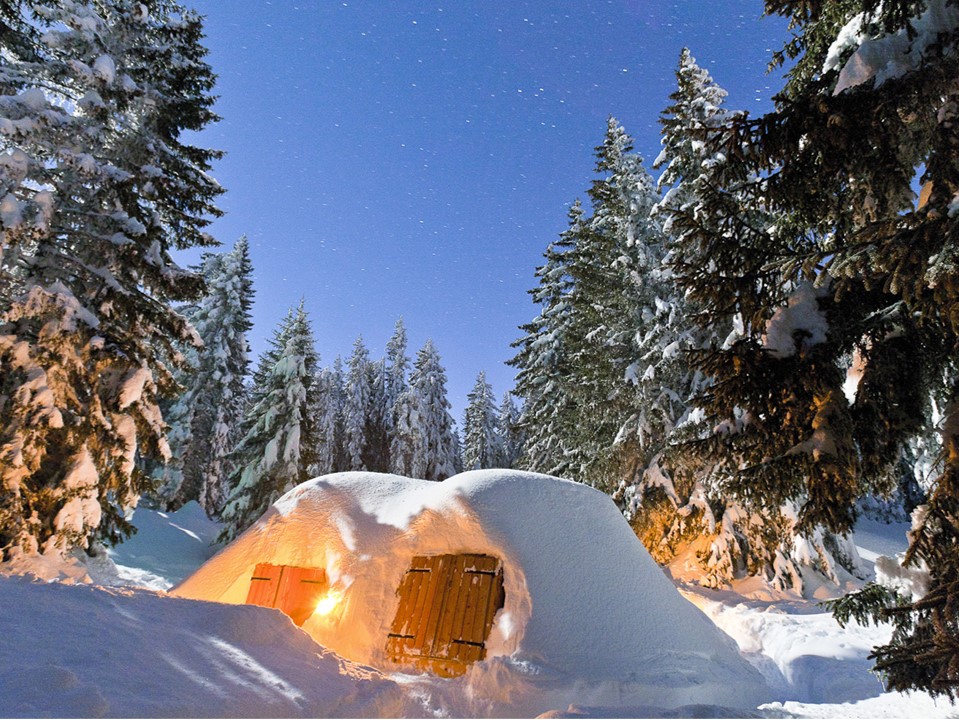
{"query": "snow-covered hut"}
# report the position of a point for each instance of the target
(492, 573)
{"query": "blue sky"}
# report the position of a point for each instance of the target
(415, 159)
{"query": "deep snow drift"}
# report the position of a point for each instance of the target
(589, 617)
(80, 651)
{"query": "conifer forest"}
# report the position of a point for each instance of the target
(733, 419)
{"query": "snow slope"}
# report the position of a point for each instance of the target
(166, 547)
(82, 651)
(588, 613)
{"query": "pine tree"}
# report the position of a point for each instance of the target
(378, 421)
(356, 410)
(510, 431)
(97, 186)
(407, 434)
(341, 456)
(777, 454)
(483, 447)
(204, 420)
(278, 445)
(397, 369)
(544, 375)
(574, 360)
(434, 453)
(870, 105)
(328, 416)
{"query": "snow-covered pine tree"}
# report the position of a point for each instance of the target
(434, 453)
(778, 455)
(543, 370)
(341, 456)
(573, 361)
(397, 369)
(97, 186)
(870, 106)
(222, 322)
(483, 447)
(328, 417)
(376, 457)
(510, 431)
(278, 443)
(213, 402)
(407, 434)
(664, 495)
(356, 410)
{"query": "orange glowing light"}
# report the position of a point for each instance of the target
(328, 602)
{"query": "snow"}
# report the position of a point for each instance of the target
(889, 56)
(167, 547)
(105, 68)
(132, 389)
(80, 651)
(800, 315)
(588, 613)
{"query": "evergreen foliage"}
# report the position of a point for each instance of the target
(430, 425)
(278, 442)
(97, 186)
(356, 412)
(483, 447)
(510, 431)
(203, 422)
(574, 357)
(869, 106)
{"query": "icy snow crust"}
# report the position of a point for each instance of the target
(588, 613)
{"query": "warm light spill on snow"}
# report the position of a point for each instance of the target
(328, 602)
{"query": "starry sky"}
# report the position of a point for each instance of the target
(406, 158)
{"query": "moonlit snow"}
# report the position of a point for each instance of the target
(106, 646)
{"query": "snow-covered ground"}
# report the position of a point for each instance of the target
(82, 650)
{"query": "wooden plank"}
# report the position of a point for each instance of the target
(420, 608)
(466, 601)
(474, 620)
(497, 600)
(433, 607)
(264, 585)
(445, 629)
(407, 593)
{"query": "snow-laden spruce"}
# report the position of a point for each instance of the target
(97, 187)
(483, 446)
(356, 410)
(593, 294)
(424, 444)
(278, 439)
(204, 420)
(868, 111)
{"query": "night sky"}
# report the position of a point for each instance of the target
(415, 159)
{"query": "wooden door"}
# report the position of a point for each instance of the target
(294, 590)
(445, 614)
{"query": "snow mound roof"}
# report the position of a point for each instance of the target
(584, 600)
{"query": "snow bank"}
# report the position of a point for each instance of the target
(589, 617)
(79, 651)
(167, 546)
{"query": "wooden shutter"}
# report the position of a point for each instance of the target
(445, 614)
(264, 584)
(294, 590)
